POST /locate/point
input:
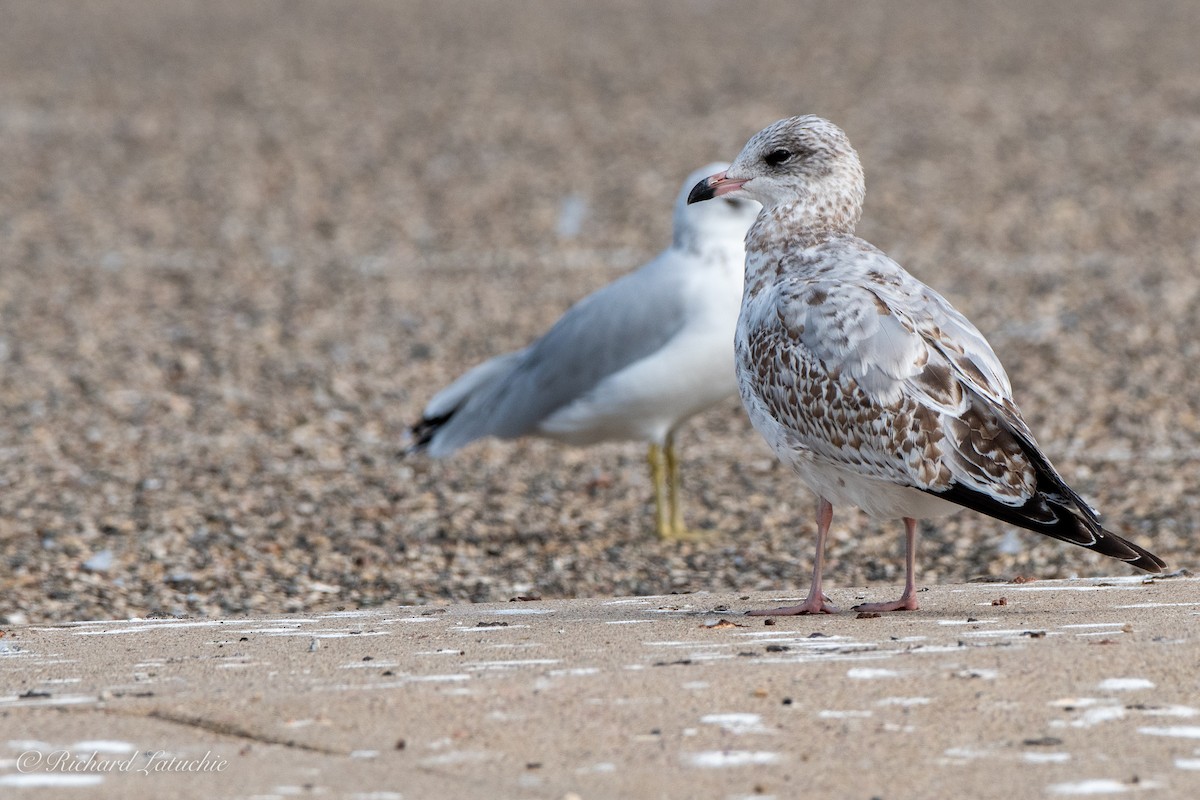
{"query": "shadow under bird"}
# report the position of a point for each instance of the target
(631, 361)
(867, 382)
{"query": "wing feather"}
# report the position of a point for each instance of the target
(898, 383)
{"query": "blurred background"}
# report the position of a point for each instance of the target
(241, 244)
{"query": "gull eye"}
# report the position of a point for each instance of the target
(777, 157)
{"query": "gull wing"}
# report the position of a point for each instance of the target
(883, 376)
(599, 336)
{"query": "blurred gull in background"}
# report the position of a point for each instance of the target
(631, 361)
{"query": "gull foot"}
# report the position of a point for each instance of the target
(903, 604)
(810, 606)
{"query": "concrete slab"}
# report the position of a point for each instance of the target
(1052, 688)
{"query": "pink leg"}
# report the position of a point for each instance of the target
(908, 600)
(816, 602)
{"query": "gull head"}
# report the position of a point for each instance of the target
(732, 216)
(803, 166)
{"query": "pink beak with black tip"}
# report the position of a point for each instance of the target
(713, 186)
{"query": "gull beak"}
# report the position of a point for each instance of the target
(713, 186)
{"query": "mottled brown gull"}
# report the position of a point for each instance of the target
(632, 361)
(868, 383)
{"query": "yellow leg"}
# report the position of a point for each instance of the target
(673, 501)
(658, 475)
(671, 518)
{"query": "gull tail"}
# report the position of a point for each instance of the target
(423, 431)
(1057, 516)
(434, 432)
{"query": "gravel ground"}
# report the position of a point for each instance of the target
(242, 243)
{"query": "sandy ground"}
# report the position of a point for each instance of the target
(1041, 689)
(242, 244)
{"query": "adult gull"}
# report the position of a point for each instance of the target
(632, 361)
(867, 382)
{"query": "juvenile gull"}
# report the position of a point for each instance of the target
(631, 361)
(865, 381)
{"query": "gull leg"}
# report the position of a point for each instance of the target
(673, 486)
(908, 600)
(664, 470)
(674, 503)
(662, 521)
(816, 602)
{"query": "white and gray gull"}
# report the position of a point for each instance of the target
(631, 361)
(867, 382)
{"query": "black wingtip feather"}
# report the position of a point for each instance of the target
(422, 432)
(1042, 514)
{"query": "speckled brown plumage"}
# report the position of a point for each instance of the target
(867, 382)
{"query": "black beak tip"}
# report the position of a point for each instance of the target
(701, 191)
